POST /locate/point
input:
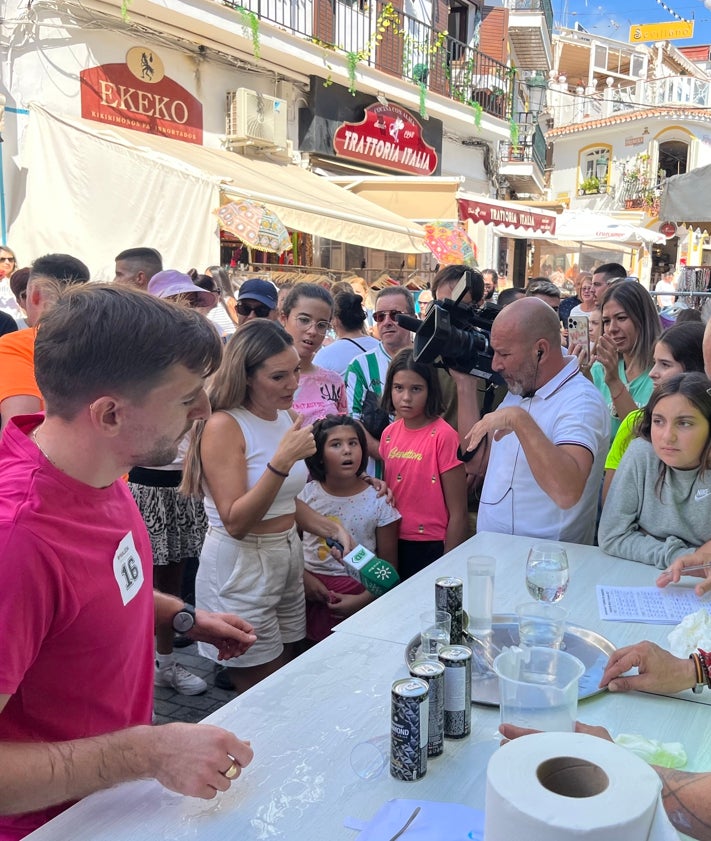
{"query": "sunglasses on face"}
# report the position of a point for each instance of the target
(260, 310)
(7, 259)
(381, 315)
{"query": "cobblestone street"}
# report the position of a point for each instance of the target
(171, 706)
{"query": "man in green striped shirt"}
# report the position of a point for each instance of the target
(368, 371)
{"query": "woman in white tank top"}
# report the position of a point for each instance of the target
(247, 459)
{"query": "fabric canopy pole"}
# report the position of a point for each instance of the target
(92, 198)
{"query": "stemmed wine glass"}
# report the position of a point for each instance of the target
(547, 572)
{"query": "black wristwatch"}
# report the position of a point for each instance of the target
(184, 619)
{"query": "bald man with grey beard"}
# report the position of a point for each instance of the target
(543, 449)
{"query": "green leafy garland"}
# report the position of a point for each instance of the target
(513, 132)
(250, 24)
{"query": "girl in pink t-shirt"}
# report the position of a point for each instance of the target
(306, 315)
(419, 451)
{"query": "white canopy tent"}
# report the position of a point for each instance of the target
(581, 226)
(685, 199)
(93, 190)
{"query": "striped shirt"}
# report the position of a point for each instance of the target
(367, 372)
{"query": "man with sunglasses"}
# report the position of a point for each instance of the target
(257, 298)
(368, 370)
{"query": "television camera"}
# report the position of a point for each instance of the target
(455, 334)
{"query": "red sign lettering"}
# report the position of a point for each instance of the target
(388, 137)
(507, 215)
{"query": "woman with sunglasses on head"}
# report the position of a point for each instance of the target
(247, 460)
(624, 353)
(306, 316)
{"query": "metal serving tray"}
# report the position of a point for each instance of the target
(592, 649)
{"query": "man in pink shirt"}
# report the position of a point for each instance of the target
(122, 376)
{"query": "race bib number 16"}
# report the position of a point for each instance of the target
(128, 569)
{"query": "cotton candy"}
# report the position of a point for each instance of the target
(666, 754)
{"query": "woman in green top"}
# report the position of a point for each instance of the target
(678, 350)
(630, 327)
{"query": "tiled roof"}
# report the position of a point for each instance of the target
(630, 117)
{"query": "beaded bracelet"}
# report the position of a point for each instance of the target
(705, 660)
(277, 472)
(698, 686)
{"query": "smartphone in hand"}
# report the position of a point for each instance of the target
(579, 334)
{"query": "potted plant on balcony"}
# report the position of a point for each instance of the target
(590, 186)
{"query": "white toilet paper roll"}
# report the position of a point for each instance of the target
(555, 786)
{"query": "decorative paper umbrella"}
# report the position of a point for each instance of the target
(255, 225)
(450, 244)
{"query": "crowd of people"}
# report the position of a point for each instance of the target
(167, 423)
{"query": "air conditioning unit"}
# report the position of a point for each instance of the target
(283, 153)
(254, 119)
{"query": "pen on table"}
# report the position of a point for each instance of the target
(697, 568)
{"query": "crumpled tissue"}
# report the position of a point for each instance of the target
(666, 754)
(694, 631)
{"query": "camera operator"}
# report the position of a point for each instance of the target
(462, 393)
(542, 480)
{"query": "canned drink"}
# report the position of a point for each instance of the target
(433, 672)
(409, 728)
(449, 596)
(457, 661)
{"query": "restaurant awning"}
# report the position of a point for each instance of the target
(442, 198)
(414, 197)
(94, 189)
(685, 199)
(508, 218)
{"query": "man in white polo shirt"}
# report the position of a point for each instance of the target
(546, 444)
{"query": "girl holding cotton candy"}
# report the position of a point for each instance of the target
(659, 504)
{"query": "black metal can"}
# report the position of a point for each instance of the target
(433, 672)
(457, 661)
(409, 728)
(449, 596)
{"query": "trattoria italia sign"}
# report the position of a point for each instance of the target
(138, 95)
(389, 137)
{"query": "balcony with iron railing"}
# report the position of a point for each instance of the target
(380, 36)
(638, 191)
(523, 162)
(544, 7)
(531, 143)
(583, 105)
(530, 28)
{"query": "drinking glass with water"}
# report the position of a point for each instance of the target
(435, 630)
(547, 572)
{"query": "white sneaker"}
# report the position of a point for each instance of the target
(179, 678)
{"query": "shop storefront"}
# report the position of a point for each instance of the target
(131, 156)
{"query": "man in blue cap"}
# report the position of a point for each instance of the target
(257, 298)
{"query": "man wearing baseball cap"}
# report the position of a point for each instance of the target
(257, 298)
